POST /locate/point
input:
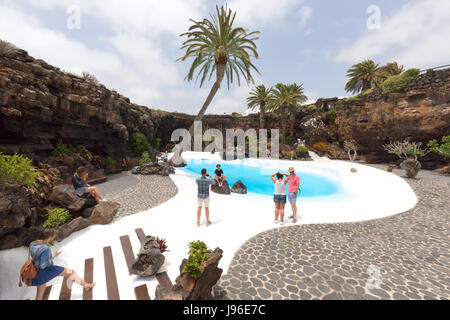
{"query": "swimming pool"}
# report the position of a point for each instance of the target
(257, 178)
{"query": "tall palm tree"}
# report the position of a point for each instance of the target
(259, 99)
(390, 69)
(217, 46)
(363, 76)
(285, 97)
(298, 98)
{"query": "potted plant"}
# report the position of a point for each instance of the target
(409, 152)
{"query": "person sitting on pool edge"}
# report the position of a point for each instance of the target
(82, 189)
(203, 184)
(279, 196)
(220, 177)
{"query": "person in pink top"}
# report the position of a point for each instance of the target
(294, 186)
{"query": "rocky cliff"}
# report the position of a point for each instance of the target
(421, 113)
(40, 104)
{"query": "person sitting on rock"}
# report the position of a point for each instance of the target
(220, 177)
(82, 189)
(47, 271)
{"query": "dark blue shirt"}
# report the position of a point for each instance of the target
(78, 182)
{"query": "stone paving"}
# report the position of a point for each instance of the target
(406, 256)
(137, 193)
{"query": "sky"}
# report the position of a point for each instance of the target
(132, 46)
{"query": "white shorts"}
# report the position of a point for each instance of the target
(203, 202)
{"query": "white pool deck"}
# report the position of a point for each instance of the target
(370, 194)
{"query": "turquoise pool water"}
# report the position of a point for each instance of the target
(258, 180)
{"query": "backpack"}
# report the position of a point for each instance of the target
(28, 271)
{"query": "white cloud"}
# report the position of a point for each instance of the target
(136, 16)
(416, 36)
(27, 32)
(257, 12)
(305, 14)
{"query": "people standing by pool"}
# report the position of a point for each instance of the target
(203, 184)
(44, 264)
(82, 189)
(279, 196)
(294, 186)
(219, 176)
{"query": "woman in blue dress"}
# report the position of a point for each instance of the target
(82, 189)
(47, 270)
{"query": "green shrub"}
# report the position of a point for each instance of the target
(398, 83)
(57, 217)
(62, 148)
(355, 98)
(145, 159)
(443, 149)
(321, 146)
(198, 253)
(17, 170)
(332, 116)
(302, 150)
(336, 143)
(158, 142)
(139, 143)
(110, 163)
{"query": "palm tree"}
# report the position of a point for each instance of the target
(217, 46)
(298, 98)
(390, 69)
(259, 99)
(363, 76)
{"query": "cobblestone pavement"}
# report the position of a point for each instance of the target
(148, 192)
(406, 256)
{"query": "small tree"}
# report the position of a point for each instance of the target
(406, 150)
(410, 152)
(351, 146)
(139, 143)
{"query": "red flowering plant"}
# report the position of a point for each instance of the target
(162, 244)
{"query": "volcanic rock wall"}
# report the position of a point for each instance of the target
(421, 113)
(40, 104)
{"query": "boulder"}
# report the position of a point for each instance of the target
(201, 287)
(224, 189)
(443, 170)
(67, 229)
(239, 187)
(104, 212)
(412, 167)
(150, 258)
(64, 195)
(14, 207)
(154, 169)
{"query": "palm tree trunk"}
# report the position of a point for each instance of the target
(283, 123)
(220, 72)
(262, 115)
(292, 122)
(366, 85)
